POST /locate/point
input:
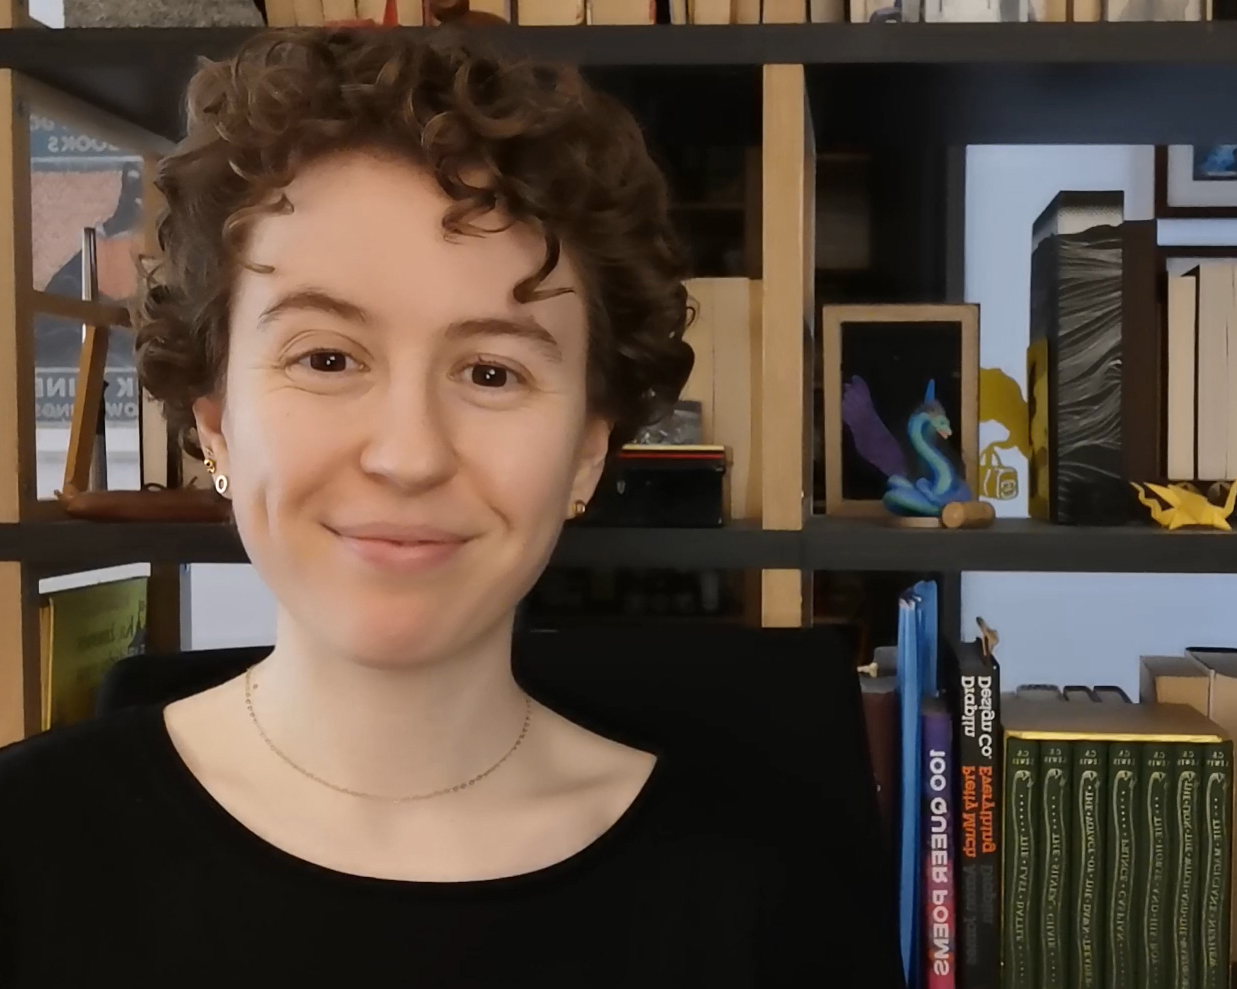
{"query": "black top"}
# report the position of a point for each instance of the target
(118, 867)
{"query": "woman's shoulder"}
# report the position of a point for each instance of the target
(70, 768)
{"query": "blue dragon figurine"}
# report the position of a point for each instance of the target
(939, 482)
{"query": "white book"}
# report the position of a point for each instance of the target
(1182, 350)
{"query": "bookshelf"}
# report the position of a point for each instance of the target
(776, 86)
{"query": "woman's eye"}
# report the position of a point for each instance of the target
(326, 361)
(490, 375)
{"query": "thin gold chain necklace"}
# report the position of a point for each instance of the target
(528, 714)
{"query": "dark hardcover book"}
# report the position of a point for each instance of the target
(940, 919)
(880, 716)
(1077, 299)
(1184, 839)
(1021, 929)
(1215, 862)
(1087, 889)
(1155, 795)
(1052, 863)
(1121, 961)
(1144, 440)
(973, 682)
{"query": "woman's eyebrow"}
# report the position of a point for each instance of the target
(315, 300)
(523, 329)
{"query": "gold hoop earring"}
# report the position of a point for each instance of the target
(578, 508)
(220, 480)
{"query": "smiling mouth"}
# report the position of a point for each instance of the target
(403, 552)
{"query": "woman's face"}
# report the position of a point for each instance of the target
(402, 439)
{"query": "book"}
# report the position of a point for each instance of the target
(1120, 940)
(746, 12)
(1153, 864)
(1215, 861)
(1052, 863)
(1020, 926)
(1184, 842)
(1077, 299)
(280, 13)
(1087, 863)
(1174, 680)
(827, 11)
(338, 10)
(1182, 346)
(1216, 309)
(410, 12)
(880, 715)
(939, 914)
(548, 12)
(973, 681)
(85, 631)
(622, 11)
(1153, 10)
(709, 11)
(784, 11)
(309, 13)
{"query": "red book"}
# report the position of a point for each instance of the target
(939, 933)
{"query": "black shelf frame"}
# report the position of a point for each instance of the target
(943, 84)
(824, 544)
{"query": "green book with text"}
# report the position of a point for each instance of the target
(1121, 961)
(1184, 846)
(1153, 868)
(1214, 864)
(1052, 862)
(1019, 928)
(1087, 826)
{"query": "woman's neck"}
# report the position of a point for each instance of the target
(394, 731)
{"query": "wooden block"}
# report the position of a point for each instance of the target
(280, 13)
(709, 11)
(745, 12)
(338, 10)
(537, 13)
(785, 11)
(784, 598)
(309, 13)
(733, 422)
(20, 701)
(622, 11)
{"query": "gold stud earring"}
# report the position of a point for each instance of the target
(220, 480)
(578, 508)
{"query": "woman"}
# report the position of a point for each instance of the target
(412, 297)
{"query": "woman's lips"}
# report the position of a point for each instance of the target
(406, 550)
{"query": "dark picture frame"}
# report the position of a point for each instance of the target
(913, 344)
(1173, 181)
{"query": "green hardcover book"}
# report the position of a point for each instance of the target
(1121, 962)
(1182, 956)
(1217, 835)
(1155, 794)
(1087, 825)
(1019, 925)
(1052, 863)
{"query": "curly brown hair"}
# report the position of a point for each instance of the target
(535, 141)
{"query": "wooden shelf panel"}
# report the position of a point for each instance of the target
(946, 83)
(825, 544)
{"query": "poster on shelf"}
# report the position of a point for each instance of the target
(80, 181)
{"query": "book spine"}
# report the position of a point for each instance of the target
(1087, 864)
(1121, 950)
(1184, 838)
(979, 853)
(1021, 929)
(1052, 864)
(1153, 866)
(1215, 862)
(940, 918)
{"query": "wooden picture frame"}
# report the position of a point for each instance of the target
(958, 363)
(1168, 190)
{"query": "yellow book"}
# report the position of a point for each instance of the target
(86, 630)
(1023, 718)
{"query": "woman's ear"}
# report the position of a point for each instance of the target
(594, 445)
(208, 416)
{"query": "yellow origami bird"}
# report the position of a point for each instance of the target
(1186, 506)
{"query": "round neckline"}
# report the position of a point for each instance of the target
(248, 842)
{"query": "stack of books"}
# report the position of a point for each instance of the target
(1118, 840)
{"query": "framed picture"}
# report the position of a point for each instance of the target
(1196, 180)
(882, 365)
